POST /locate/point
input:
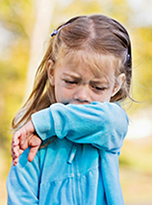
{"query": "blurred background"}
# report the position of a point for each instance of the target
(24, 32)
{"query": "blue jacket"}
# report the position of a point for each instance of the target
(80, 165)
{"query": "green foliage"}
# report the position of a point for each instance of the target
(13, 16)
(113, 8)
(12, 78)
(143, 64)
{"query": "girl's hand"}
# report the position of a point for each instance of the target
(22, 139)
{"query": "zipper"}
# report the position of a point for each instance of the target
(76, 173)
(77, 190)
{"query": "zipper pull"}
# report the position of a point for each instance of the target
(72, 154)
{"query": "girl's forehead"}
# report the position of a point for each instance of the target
(99, 64)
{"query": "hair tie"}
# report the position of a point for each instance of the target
(55, 32)
(128, 57)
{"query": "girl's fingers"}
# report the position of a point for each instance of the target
(15, 161)
(32, 153)
(20, 152)
(21, 135)
(16, 155)
(34, 143)
(15, 140)
(23, 145)
(21, 141)
(15, 151)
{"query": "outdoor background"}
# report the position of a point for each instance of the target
(24, 32)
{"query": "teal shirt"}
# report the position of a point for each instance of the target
(80, 166)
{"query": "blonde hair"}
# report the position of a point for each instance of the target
(96, 34)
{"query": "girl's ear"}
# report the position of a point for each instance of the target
(50, 71)
(120, 79)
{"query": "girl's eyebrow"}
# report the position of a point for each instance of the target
(100, 81)
(75, 75)
(93, 81)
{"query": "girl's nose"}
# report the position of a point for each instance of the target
(82, 94)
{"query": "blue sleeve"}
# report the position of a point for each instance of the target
(112, 187)
(23, 182)
(104, 125)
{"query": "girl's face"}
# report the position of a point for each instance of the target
(77, 84)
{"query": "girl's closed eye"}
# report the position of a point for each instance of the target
(70, 82)
(99, 88)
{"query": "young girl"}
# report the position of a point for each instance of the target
(85, 72)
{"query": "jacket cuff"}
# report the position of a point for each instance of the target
(43, 123)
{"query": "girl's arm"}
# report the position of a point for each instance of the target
(104, 125)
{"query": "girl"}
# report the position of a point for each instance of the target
(85, 72)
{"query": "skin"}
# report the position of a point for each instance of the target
(73, 85)
(80, 85)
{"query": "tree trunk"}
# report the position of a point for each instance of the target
(44, 12)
